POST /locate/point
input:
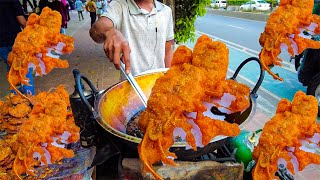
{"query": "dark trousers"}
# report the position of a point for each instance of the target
(93, 16)
(80, 14)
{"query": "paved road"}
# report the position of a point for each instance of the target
(243, 32)
(242, 38)
(240, 31)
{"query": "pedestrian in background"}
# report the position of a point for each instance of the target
(71, 5)
(99, 8)
(104, 5)
(12, 21)
(33, 5)
(60, 7)
(43, 4)
(92, 9)
(79, 7)
(67, 5)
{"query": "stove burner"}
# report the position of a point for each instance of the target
(223, 154)
(112, 169)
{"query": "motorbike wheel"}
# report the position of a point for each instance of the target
(314, 89)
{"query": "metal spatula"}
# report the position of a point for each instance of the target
(135, 85)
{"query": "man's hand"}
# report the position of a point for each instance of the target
(116, 46)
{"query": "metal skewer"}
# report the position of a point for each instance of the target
(135, 85)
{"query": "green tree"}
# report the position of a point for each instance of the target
(186, 12)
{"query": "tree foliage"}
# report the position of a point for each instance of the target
(186, 12)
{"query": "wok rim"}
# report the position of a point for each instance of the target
(137, 140)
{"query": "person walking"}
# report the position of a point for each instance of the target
(67, 5)
(12, 21)
(92, 9)
(32, 4)
(60, 7)
(99, 6)
(71, 4)
(104, 5)
(138, 31)
(79, 7)
(43, 4)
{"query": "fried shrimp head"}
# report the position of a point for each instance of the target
(284, 30)
(33, 46)
(283, 135)
(195, 77)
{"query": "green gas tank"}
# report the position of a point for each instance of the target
(244, 143)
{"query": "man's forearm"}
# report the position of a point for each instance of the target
(99, 29)
(22, 21)
(168, 54)
(97, 35)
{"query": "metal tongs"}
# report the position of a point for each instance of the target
(134, 84)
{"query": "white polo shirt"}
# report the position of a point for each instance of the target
(146, 32)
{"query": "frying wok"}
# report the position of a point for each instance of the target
(114, 107)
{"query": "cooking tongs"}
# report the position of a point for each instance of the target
(134, 84)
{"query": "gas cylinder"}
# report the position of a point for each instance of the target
(244, 143)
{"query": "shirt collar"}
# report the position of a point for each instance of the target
(135, 10)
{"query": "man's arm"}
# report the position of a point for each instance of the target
(22, 21)
(19, 13)
(86, 6)
(99, 29)
(168, 54)
(95, 6)
(115, 44)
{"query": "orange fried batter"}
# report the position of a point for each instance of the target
(283, 28)
(182, 55)
(293, 122)
(30, 47)
(47, 121)
(20, 110)
(213, 57)
(13, 112)
(194, 77)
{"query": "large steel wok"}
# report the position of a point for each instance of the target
(114, 107)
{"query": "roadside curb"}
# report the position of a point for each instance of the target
(244, 15)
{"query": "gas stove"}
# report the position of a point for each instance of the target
(126, 165)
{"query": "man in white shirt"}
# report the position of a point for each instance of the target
(141, 31)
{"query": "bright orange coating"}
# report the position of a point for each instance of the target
(41, 32)
(212, 128)
(288, 19)
(213, 57)
(292, 122)
(50, 117)
(183, 88)
(182, 55)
